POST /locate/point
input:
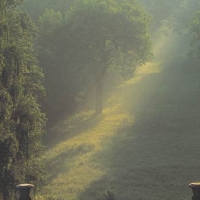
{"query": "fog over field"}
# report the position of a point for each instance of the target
(99, 99)
(144, 145)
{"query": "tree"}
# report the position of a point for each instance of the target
(22, 123)
(61, 84)
(195, 28)
(37, 7)
(171, 15)
(98, 36)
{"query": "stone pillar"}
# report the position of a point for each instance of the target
(24, 191)
(196, 190)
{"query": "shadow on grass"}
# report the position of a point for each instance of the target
(59, 164)
(56, 160)
(159, 155)
(71, 127)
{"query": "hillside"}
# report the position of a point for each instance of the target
(144, 146)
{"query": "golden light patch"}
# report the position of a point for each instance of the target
(74, 161)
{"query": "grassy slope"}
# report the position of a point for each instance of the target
(144, 146)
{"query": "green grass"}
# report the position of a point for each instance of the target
(144, 146)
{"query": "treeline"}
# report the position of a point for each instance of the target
(74, 36)
(80, 41)
(69, 50)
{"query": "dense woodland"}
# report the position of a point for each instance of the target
(55, 57)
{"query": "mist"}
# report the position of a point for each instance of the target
(100, 99)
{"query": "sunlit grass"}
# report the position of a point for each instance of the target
(72, 163)
(139, 147)
(125, 90)
(149, 68)
(76, 167)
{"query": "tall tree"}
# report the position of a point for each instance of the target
(21, 121)
(195, 28)
(98, 36)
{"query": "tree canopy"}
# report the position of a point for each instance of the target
(97, 36)
(195, 28)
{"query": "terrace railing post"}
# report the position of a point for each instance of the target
(196, 190)
(24, 191)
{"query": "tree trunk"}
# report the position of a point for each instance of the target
(100, 84)
(99, 97)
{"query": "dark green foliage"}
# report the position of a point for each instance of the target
(37, 7)
(195, 28)
(94, 37)
(21, 121)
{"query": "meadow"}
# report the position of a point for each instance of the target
(145, 145)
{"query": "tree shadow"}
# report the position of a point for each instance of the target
(71, 127)
(56, 159)
(59, 164)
